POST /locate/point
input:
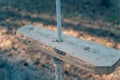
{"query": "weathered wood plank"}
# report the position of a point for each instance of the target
(84, 54)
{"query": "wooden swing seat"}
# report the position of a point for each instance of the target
(84, 54)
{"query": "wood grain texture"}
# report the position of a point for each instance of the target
(84, 54)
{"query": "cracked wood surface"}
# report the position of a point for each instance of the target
(84, 54)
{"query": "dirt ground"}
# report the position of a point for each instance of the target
(98, 23)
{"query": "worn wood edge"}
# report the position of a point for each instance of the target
(107, 70)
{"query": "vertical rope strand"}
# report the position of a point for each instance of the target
(58, 68)
(58, 12)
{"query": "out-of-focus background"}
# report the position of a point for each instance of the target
(93, 20)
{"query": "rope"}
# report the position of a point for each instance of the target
(58, 11)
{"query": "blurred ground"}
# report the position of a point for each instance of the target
(85, 19)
